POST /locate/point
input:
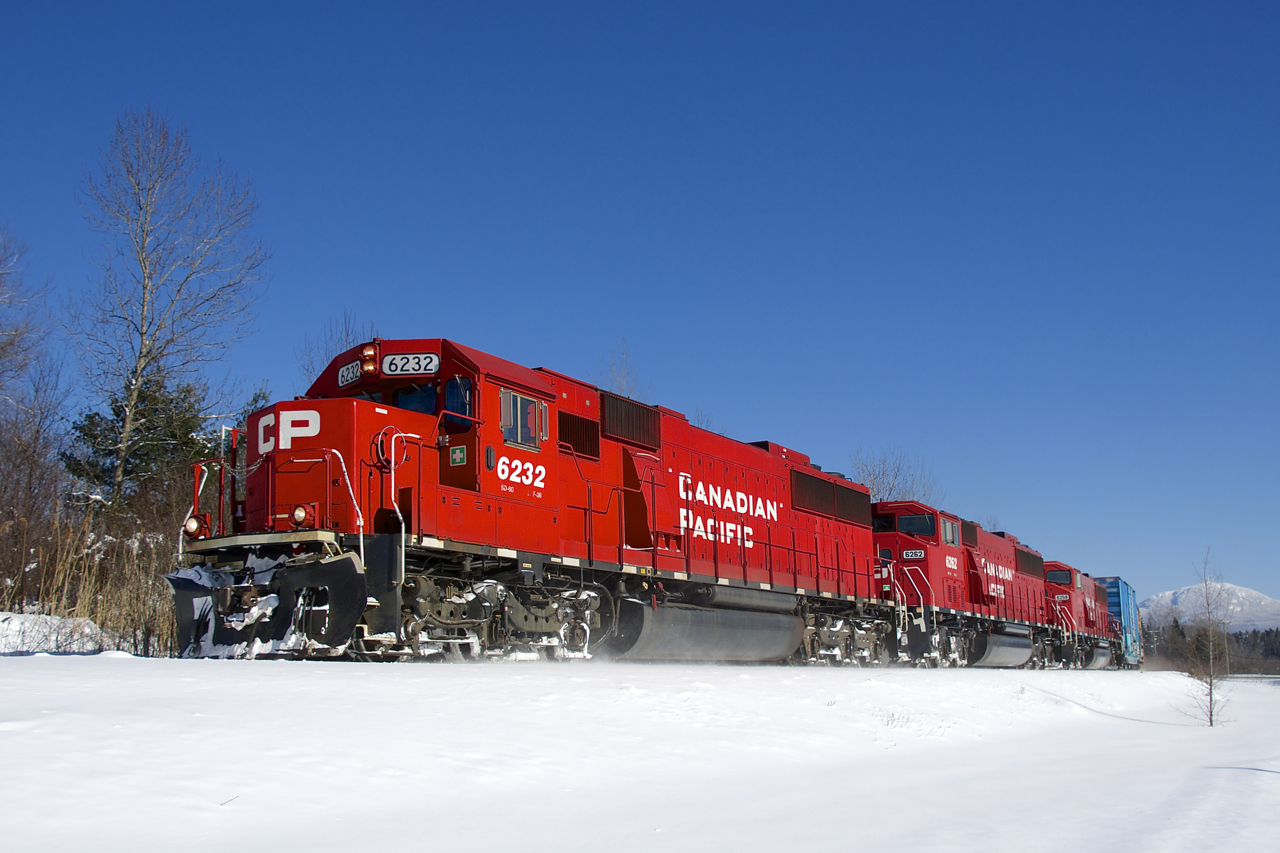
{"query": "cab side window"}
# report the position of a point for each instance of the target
(950, 532)
(457, 398)
(524, 419)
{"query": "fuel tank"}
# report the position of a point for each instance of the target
(1000, 650)
(738, 598)
(702, 634)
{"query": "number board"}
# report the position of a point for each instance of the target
(348, 373)
(458, 455)
(410, 364)
(913, 555)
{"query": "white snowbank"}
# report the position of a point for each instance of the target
(119, 753)
(28, 633)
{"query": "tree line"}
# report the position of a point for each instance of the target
(1185, 647)
(96, 472)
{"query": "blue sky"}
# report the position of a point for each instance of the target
(1034, 244)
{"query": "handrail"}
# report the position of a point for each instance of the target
(354, 503)
(395, 496)
(326, 452)
(899, 607)
(906, 571)
(195, 506)
(933, 599)
(222, 472)
(1066, 617)
(561, 446)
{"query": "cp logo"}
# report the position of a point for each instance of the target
(299, 424)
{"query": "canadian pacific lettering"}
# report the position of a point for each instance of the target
(727, 499)
(993, 570)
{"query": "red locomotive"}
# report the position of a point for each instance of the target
(1078, 610)
(425, 499)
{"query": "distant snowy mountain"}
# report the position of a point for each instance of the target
(1243, 609)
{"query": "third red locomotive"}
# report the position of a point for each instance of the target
(428, 500)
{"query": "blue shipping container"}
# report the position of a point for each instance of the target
(1123, 604)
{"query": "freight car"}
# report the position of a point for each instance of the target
(428, 500)
(1126, 622)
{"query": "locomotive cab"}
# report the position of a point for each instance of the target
(394, 443)
(924, 545)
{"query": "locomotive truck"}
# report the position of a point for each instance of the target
(426, 500)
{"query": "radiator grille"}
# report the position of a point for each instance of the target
(1030, 564)
(582, 434)
(812, 494)
(969, 533)
(628, 420)
(853, 505)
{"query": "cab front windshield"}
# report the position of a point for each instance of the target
(1058, 576)
(917, 525)
(416, 398)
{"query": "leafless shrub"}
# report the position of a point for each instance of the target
(1210, 643)
(96, 592)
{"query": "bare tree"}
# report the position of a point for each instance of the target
(32, 482)
(895, 475)
(990, 522)
(338, 335)
(178, 265)
(620, 376)
(17, 320)
(32, 401)
(1211, 640)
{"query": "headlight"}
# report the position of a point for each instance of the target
(369, 359)
(196, 527)
(301, 514)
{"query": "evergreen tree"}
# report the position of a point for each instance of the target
(169, 434)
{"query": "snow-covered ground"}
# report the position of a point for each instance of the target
(117, 753)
